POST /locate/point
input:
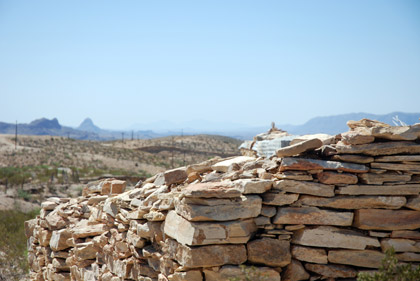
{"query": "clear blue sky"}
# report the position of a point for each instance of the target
(250, 62)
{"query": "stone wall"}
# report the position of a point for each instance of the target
(319, 209)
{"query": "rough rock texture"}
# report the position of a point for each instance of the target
(327, 210)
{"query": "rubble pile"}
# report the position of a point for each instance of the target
(319, 209)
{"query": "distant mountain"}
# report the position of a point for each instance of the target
(88, 126)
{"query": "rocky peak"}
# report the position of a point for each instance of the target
(45, 123)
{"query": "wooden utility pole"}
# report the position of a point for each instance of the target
(16, 136)
(132, 135)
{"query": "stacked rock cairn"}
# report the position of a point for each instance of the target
(319, 209)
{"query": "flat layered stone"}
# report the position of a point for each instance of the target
(411, 168)
(55, 221)
(211, 190)
(312, 215)
(333, 237)
(379, 179)
(398, 158)
(399, 133)
(229, 272)
(408, 257)
(352, 158)
(295, 272)
(354, 202)
(401, 189)
(380, 148)
(311, 255)
(400, 245)
(365, 258)
(298, 148)
(336, 178)
(302, 164)
(203, 233)
(352, 137)
(221, 209)
(59, 238)
(377, 219)
(86, 251)
(203, 166)
(192, 275)
(112, 186)
(268, 251)
(303, 187)
(331, 270)
(223, 166)
(408, 234)
(249, 186)
(83, 229)
(209, 256)
(279, 199)
(294, 175)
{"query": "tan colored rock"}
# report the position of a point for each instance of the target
(400, 245)
(204, 233)
(221, 210)
(211, 190)
(268, 211)
(331, 270)
(303, 187)
(371, 178)
(413, 203)
(192, 275)
(85, 251)
(295, 272)
(365, 258)
(224, 165)
(203, 166)
(337, 178)
(398, 158)
(302, 164)
(408, 257)
(411, 168)
(55, 221)
(408, 234)
(44, 237)
(333, 237)
(249, 186)
(307, 254)
(29, 227)
(228, 272)
(312, 215)
(83, 229)
(208, 256)
(353, 138)
(178, 175)
(112, 186)
(377, 219)
(352, 158)
(298, 148)
(399, 133)
(294, 175)
(404, 189)
(380, 148)
(59, 238)
(354, 202)
(279, 199)
(271, 252)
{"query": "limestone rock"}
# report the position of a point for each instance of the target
(380, 148)
(228, 272)
(221, 210)
(295, 272)
(400, 245)
(398, 158)
(312, 215)
(192, 275)
(411, 168)
(203, 166)
(332, 237)
(203, 233)
(304, 187)
(377, 219)
(311, 255)
(223, 166)
(82, 229)
(298, 148)
(268, 211)
(371, 178)
(354, 202)
(59, 238)
(404, 189)
(55, 221)
(279, 199)
(332, 271)
(337, 178)
(365, 258)
(408, 257)
(414, 203)
(353, 158)
(352, 137)
(211, 190)
(248, 186)
(409, 234)
(112, 186)
(175, 176)
(271, 252)
(303, 164)
(85, 251)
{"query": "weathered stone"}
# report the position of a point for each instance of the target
(379, 234)
(49, 205)
(223, 209)
(248, 186)
(413, 203)
(332, 237)
(192, 275)
(271, 252)
(229, 272)
(380, 148)
(298, 148)
(406, 189)
(112, 186)
(365, 258)
(223, 166)
(294, 175)
(312, 215)
(135, 240)
(83, 229)
(377, 219)
(352, 137)
(295, 272)
(400, 245)
(331, 270)
(408, 234)
(411, 168)
(354, 202)
(111, 208)
(44, 237)
(211, 190)
(55, 221)
(303, 164)
(212, 255)
(279, 199)
(175, 176)
(203, 233)
(29, 227)
(398, 158)
(352, 158)
(268, 211)
(371, 178)
(262, 221)
(203, 166)
(303, 187)
(155, 216)
(85, 251)
(399, 133)
(408, 257)
(337, 178)
(309, 254)
(59, 238)
(94, 200)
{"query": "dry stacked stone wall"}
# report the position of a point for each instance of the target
(320, 209)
